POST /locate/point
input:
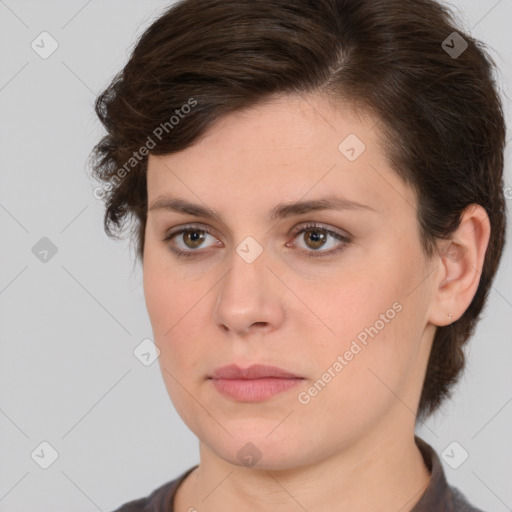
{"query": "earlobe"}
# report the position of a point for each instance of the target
(461, 259)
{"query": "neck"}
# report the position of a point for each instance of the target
(380, 471)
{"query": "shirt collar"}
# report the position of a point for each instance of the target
(437, 495)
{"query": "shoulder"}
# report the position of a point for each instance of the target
(460, 503)
(439, 495)
(149, 503)
(160, 500)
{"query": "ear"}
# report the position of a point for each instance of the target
(460, 260)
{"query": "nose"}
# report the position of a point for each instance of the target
(249, 298)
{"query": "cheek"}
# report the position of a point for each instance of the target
(177, 310)
(359, 372)
(376, 318)
(173, 309)
(167, 297)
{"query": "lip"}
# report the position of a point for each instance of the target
(253, 384)
(256, 371)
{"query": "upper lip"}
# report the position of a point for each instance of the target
(256, 371)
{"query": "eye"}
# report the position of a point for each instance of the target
(317, 237)
(188, 240)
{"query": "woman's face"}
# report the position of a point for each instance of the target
(336, 296)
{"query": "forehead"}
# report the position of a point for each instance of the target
(284, 124)
(286, 148)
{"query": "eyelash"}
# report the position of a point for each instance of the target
(302, 229)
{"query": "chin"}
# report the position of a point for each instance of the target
(260, 451)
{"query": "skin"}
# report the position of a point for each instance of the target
(300, 313)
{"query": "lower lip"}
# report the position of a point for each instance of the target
(254, 390)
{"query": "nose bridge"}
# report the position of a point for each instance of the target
(246, 296)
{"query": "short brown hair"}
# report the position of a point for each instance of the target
(433, 91)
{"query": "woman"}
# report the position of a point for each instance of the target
(318, 196)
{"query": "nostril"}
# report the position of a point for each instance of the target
(259, 324)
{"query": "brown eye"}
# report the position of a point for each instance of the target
(315, 238)
(193, 238)
(190, 241)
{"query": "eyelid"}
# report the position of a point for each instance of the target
(304, 226)
(187, 227)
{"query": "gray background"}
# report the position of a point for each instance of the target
(69, 325)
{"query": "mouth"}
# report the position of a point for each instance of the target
(253, 384)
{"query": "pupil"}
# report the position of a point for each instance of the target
(316, 238)
(194, 237)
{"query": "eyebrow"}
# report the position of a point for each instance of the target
(281, 211)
